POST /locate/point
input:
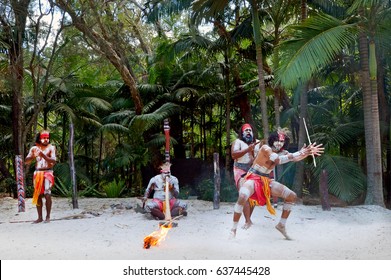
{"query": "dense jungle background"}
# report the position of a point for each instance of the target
(103, 75)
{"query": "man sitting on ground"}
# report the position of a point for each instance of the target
(156, 187)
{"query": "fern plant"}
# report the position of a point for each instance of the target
(114, 189)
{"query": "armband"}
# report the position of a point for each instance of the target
(284, 159)
(273, 157)
(297, 154)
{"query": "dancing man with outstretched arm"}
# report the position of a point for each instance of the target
(259, 186)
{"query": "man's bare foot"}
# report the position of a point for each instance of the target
(38, 221)
(232, 234)
(281, 228)
(47, 220)
(247, 225)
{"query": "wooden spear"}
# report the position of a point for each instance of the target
(309, 140)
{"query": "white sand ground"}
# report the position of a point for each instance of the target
(104, 232)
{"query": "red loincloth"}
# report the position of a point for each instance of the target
(39, 181)
(261, 191)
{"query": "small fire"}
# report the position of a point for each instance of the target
(157, 236)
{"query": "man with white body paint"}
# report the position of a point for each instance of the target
(259, 186)
(44, 155)
(243, 151)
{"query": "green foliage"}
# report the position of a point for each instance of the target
(29, 191)
(114, 189)
(228, 192)
(316, 43)
(345, 178)
(62, 189)
(65, 190)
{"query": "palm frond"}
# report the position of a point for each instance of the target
(61, 107)
(159, 140)
(156, 9)
(345, 177)
(329, 7)
(185, 93)
(190, 43)
(123, 117)
(339, 134)
(5, 108)
(358, 4)
(210, 98)
(89, 119)
(95, 103)
(315, 44)
(207, 9)
(144, 122)
(113, 127)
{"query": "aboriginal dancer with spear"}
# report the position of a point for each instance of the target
(259, 186)
(164, 188)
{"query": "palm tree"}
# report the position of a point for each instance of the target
(209, 9)
(318, 40)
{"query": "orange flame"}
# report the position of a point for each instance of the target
(157, 236)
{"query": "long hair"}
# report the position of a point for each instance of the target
(274, 136)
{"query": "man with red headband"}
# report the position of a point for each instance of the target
(44, 154)
(243, 151)
(259, 186)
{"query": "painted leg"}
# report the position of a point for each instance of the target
(48, 205)
(281, 225)
(39, 210)
(236, 219)
(286, 210)
(247, 211)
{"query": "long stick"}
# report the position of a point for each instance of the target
(166, 128)
(309, 140)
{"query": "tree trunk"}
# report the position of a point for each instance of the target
(244, 103)
(261, 76)
(323, 191)
(228, 119)
(384, 113)
(299, 174)
(16, 60)
(107, 49)
(372, 126)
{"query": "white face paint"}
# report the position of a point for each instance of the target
(45, 141)
(165, 174)
(248, 135)
(278, 145)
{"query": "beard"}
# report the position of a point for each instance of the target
(248, 138)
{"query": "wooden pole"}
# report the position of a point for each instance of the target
(72, 168)
(217, 181)
(20, 183)
(323, 191)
